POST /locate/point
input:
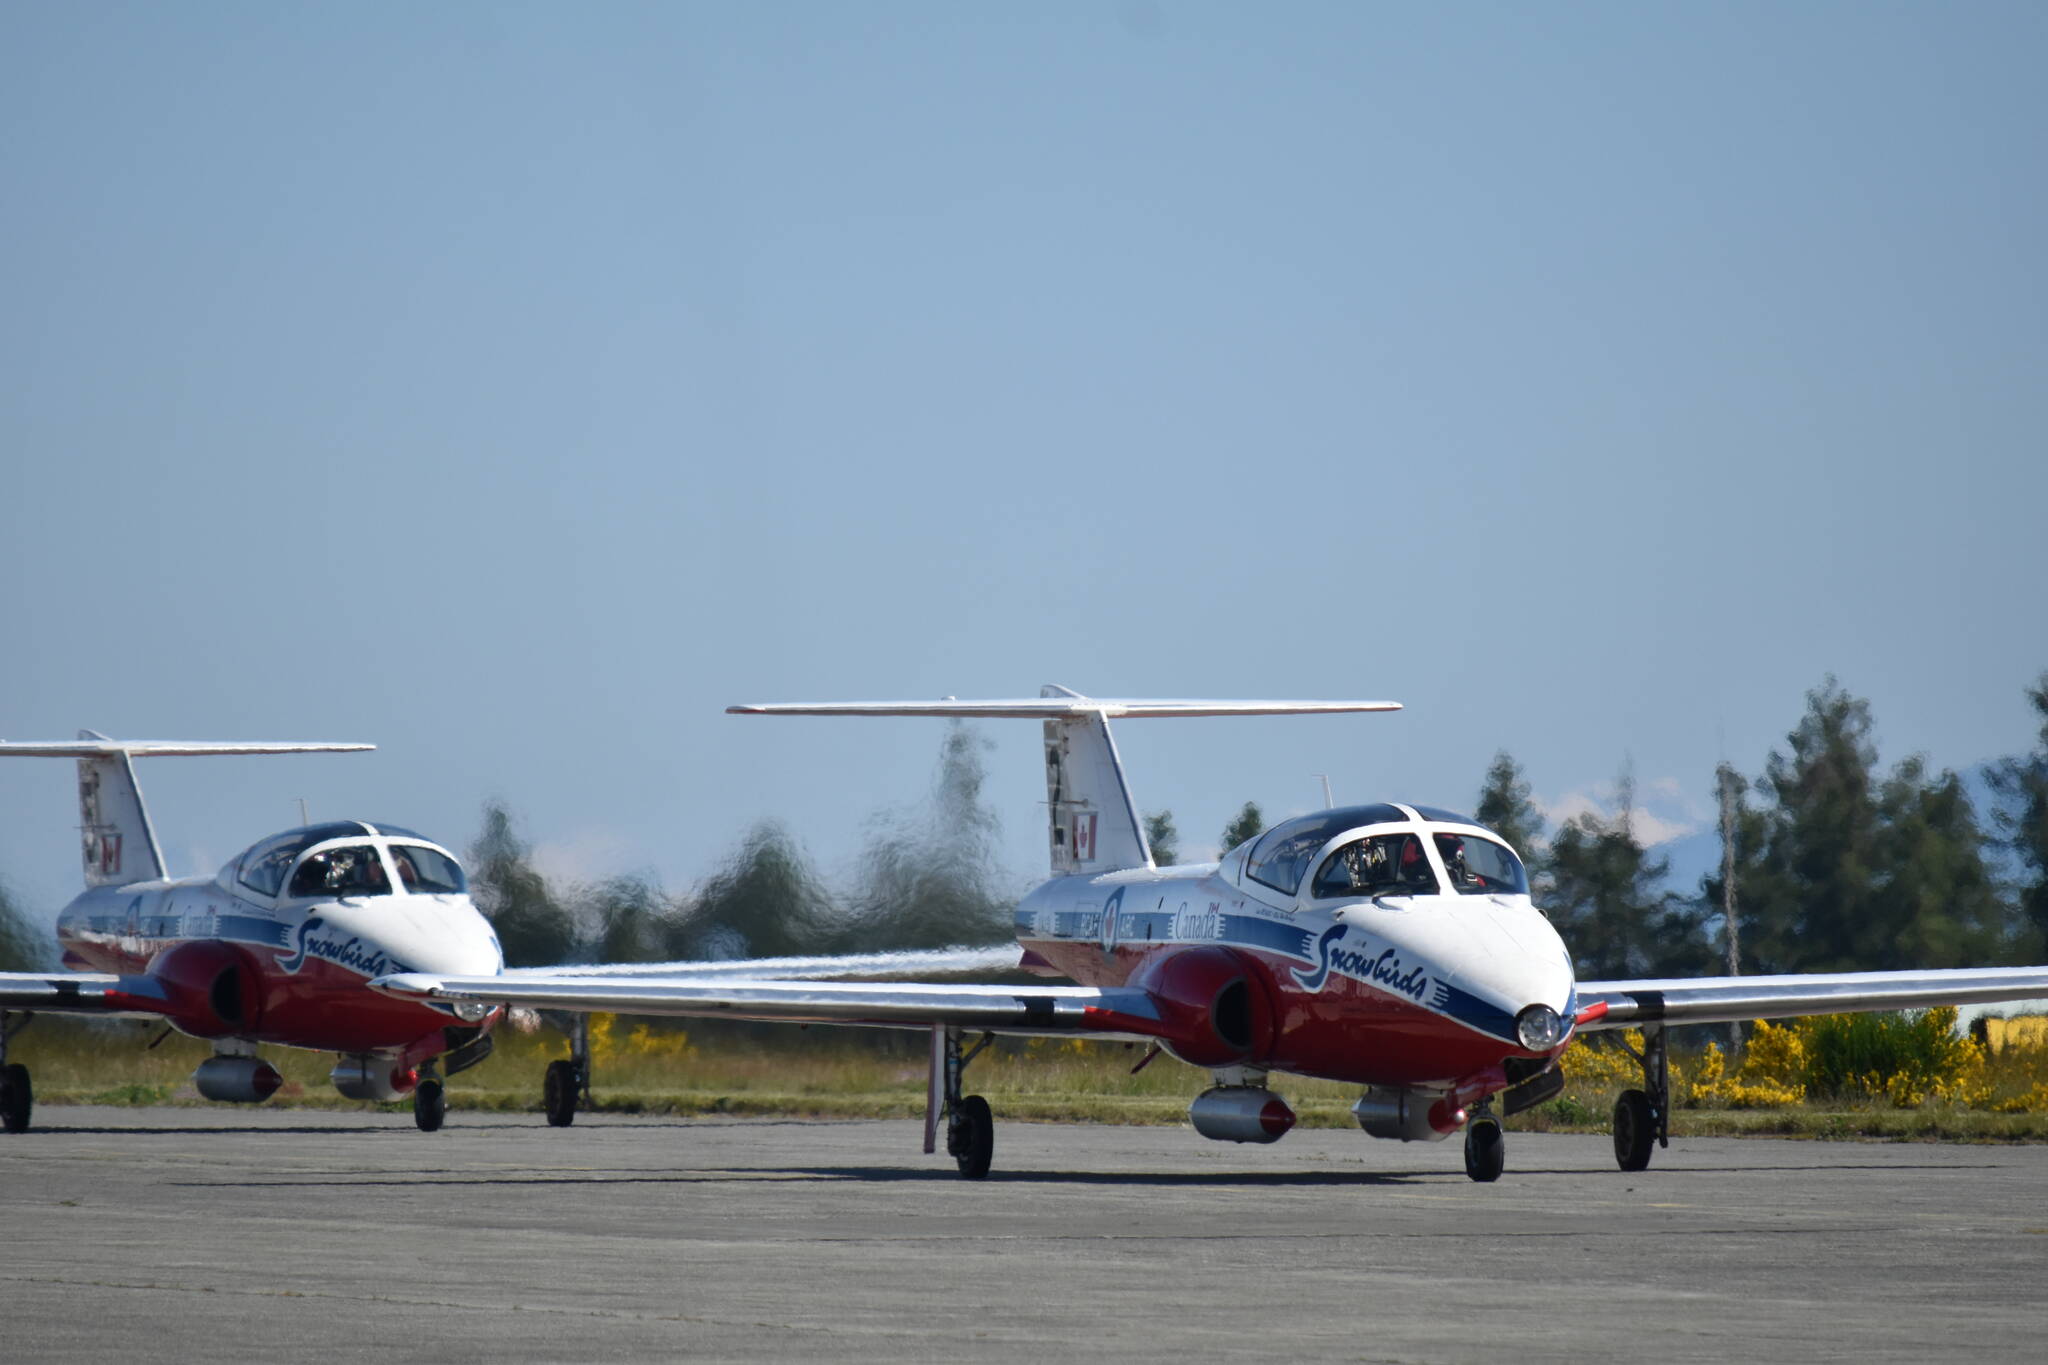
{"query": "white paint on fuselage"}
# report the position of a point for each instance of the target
(1499, 950)
(122, 927)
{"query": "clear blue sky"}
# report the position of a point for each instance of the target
(515, 386)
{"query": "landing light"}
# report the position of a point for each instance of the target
(1539, 1028)
(470, 1011)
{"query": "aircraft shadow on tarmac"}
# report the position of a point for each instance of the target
(57, 1130)
(880, 1175)
(888, 1175)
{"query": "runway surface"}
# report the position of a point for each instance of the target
(254, 1235)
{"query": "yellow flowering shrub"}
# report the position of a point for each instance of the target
(1752, 1087)
(643, 1043)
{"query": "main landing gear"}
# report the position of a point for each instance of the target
(17, 1096)
(1642, 1117)
(970, 1128)
(568, 1082)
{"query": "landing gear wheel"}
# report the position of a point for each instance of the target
(17, 1097)
(971, 1137)
(1635, 1130)
(558, 1094)
(1486, 1151)
(429, 1105)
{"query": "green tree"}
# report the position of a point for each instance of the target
(1507, 808)
(2022, 820)
(926, 881)
(1163, 838)
(1807, 901)
(766, 901)
(533, 927)
(1936, 903)
(1247, 824)
(1603, 896)
(625, 919)
(21, 947)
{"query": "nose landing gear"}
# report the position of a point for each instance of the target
(1486, 1154)
(429, 1100)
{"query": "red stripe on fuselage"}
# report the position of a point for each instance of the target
(323, 1006)
(1350, 1030)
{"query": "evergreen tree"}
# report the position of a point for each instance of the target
(2022, 822)
(1506, 807)
(1163, 838)
(926, 881)
(1808, 902)
(533, 928)
(625, 919)
(1247, 824)
(1937, 904)
(765, 902)
(21, 947)
(1603, 897)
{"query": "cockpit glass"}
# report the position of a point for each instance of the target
(350, 870)
(1480, 867)
(425, 870)
(263, 867)
(1385, 865)
(1284, 852)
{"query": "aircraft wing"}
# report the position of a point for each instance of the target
(1089, 1010)
(1731, 999)
(83, 993)
(957, 961)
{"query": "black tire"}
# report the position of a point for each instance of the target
(558, 1094)
(17, 1098)
(429, 1106)
(971, 1137)
(1486, 1151)
(1635, 1130)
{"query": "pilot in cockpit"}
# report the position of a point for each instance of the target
(353, 871)
(1389, 864)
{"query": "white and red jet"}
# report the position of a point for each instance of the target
(1394, 947)
(275, 949)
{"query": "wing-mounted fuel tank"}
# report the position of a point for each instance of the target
(237, 1080)
(368, 1077)
(1241, 1113)
(1407, 1114)
(1216, 1004)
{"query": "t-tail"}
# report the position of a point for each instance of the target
(118, 844)
(1093, 822)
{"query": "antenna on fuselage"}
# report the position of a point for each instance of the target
(1329, 801)
(303, 821)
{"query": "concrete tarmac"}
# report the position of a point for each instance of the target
(262, 1235)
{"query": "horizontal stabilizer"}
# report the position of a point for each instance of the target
(155, 748)
(1061, 708)
(118, 844)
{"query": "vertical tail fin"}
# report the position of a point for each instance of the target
(117, 841)
(118, 844)
(1095, 824)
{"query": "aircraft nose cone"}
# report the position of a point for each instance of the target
(445, 935)
(1509, 956)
